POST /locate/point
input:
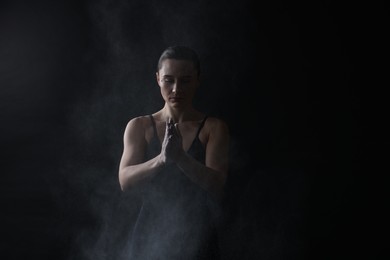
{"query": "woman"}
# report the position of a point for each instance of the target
(178, 159)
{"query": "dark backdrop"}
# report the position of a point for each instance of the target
(296, 81)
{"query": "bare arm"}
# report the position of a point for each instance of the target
(212, 175)
(132, 168)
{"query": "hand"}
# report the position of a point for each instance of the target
(172, 146)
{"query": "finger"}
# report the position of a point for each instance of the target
(167, 128)
(170, 131)
(170, 127)
(177, 130)
(169, 124)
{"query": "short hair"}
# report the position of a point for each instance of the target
(179, 52)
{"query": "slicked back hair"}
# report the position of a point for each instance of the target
(180, 53)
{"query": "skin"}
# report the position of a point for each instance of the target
(177, 123)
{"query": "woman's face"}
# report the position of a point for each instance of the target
(178, 80)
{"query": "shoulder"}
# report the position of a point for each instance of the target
(139, 121)
(136, 129)
(216, 125)
(138, 124)
(215, 122)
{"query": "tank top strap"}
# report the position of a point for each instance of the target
(154, 125)
(201, 125)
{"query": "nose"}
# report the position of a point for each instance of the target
(176, 88)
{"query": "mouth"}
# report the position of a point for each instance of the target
(175, 99)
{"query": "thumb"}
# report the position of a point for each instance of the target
(177, 130)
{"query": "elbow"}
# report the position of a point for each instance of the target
(122, 186)
(126, 181)
(123, 183)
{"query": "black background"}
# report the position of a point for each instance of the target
(298, 83)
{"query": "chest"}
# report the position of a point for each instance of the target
(189, 131)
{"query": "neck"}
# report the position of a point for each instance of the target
(178, 115)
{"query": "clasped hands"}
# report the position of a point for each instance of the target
(172, 145)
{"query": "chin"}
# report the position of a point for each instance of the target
(178, 104)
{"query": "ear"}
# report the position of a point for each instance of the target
(158, 78)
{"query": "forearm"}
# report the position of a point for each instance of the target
(210, 180)
(134, 174)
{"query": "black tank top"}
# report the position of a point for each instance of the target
(196, 149)
(175, 221)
